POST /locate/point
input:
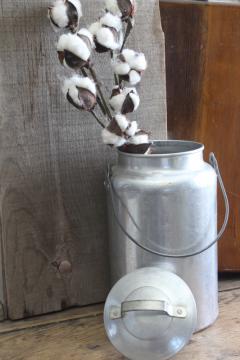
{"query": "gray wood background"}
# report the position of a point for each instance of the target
(52, 162)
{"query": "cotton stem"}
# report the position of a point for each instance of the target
(127, 33)
(104, 103)
(97, 118)
(116, 78)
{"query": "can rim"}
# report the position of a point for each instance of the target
(192, 147)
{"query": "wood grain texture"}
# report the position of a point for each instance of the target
(203, 96)
(185, 32)
(84, 338)
(52, 161)
(78, 313)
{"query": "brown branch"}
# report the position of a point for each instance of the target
(127, 33)
(83, 71)
(116, 78)
(101, 106)
(97, 118)
(94, 76)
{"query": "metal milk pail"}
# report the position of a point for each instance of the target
(166, 203)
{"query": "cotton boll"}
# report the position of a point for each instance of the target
(129, 65)
(113, 134)
(136, 61)
(67, 84)
(120, 67)
(110, 138)
(134, 77)
(77, 4)
(124, 100)
(124, 8)
(65, 14)
(79, 81)
(117, 101)
(132, 128)
(117, 98)
(116, 90)
(131, 101)
(111, 21)
(62, 42)
(73, 51)
(80, 92)
(135, 99)
(57, 15)
(112, 6)
(69, 87)
(87, 34)
(74, 14)
(95, 27)
(139, 62)
(128, 8)
(127, 90)
(105, 37)
(122, 122)
(75, 45)
(84, 82)
(107, 33)
(71, 61)
(128, 54)
(141, 137)
(89, 85)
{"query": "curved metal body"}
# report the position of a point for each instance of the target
(169, 204)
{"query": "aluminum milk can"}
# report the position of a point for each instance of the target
(162, 211)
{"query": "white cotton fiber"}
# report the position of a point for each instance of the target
(133, 126)
(112, 139)
(78, 7)
(134, 77)
(111, 20)
(58, 13)
(93, 28)
(122, 121)
(112, 6)
(106, 38)
(88, 34)
(119, 67)
(136, 61)
(75, 45)
(139, 139)
(135, 99)
(81, 82)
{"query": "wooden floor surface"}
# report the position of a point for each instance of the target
(78, 334)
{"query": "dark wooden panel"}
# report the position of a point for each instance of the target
(203, 85)
(52, 161)
(185, 28)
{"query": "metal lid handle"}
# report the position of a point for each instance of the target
(160, 306)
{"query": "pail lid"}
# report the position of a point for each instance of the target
(150, 314)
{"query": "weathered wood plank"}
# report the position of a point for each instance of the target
(203, 76)
(85, 339)
(228, 282)
(52, 162)
(52, 319)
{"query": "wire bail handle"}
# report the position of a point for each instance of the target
(110, 187)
